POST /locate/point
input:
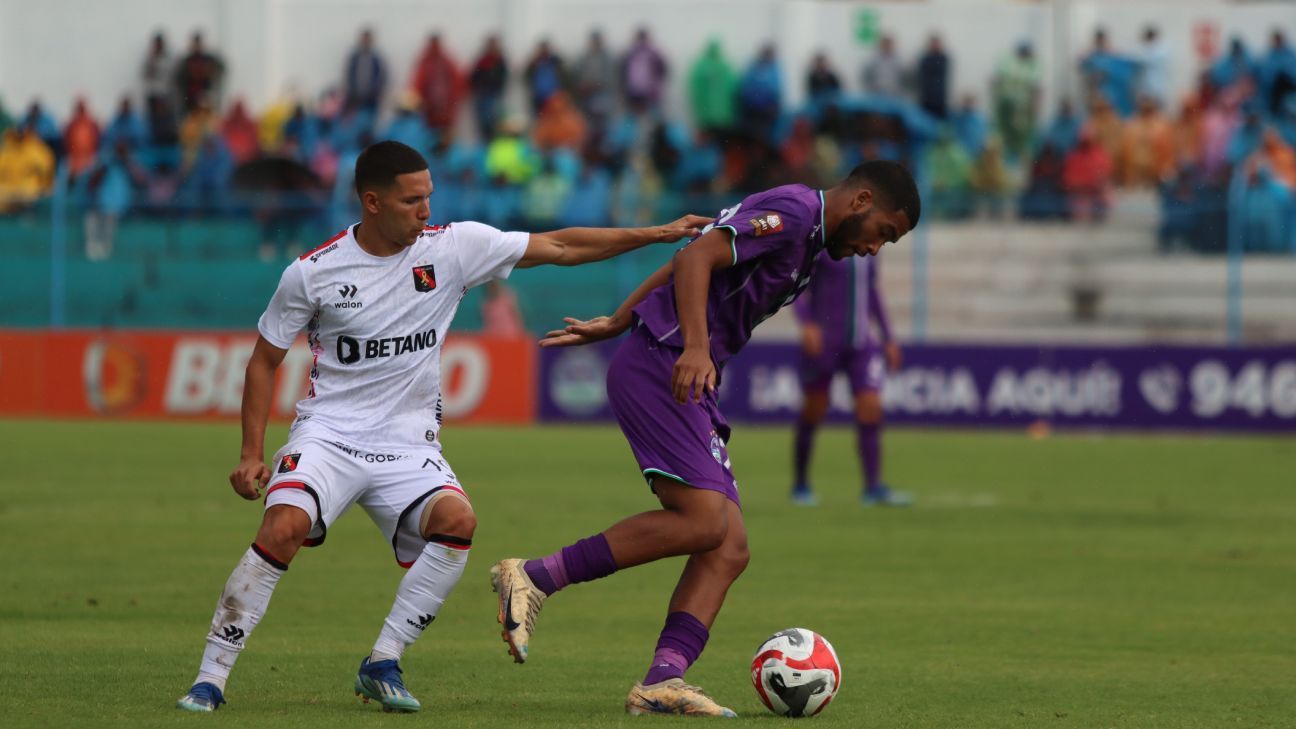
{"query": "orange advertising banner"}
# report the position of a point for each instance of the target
(199, 375)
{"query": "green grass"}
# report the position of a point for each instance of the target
(1078, 581)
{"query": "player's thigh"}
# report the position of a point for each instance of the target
(398, 503)
(318, 478)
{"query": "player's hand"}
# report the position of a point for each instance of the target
(894, 358)
(579, 332)
(686, 227)
(249, 478)
(694, 376)
(812, 340)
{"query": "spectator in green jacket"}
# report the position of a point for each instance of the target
(712, 85)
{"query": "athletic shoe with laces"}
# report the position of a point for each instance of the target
(883, 495)
(202, 697)
(673, 696)
(519, 604)
(382, 682)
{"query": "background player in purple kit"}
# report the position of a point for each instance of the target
(686, 321)
(835, 336)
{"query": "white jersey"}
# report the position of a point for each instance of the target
(375, 325)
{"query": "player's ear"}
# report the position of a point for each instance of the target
(862, 201)
(369, 201)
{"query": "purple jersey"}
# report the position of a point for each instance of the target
(776, 236)
(841, 299)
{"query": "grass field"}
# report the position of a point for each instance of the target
(1079, 581)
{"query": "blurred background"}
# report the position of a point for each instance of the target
(1109, 234)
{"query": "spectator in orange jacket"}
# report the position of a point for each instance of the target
(81, 139)
(439, 84)
(1147, 151)
(560, 124)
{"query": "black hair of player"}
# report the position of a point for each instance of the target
(380, 163)
(892, 185)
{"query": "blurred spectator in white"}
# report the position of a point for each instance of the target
(760, 94)
(1109, 75)
(823, 83)
(158, 73)
(80, 139)
(1147, 153)
(713, 90)
(365, 77)
(439, 84)
(26, 168)
(545, 74)
(594, 78)
(933, 78)
(1278, 74)
(885, 74)
(199, 75)
(1016, 100)
(500, 314)
(1154, 67)
(1086, 177)
(487, 80)
(240, 133)
(109, 189)
(643, 73)
(969, 125)
(126, 126)
(559, 125)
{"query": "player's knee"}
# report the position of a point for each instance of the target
(711, 534)
(734, 560)
(283, 530)
(450, 516)
(868, 412)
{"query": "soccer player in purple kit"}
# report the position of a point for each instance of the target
(686, 321)
(834, 314)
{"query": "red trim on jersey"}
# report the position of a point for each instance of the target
(460, 547)
(323, 245)
(286, 485)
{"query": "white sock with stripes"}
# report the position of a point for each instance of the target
(241, 606)
(419, 598)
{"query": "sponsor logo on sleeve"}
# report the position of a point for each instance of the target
(424, 278)
(766, 224)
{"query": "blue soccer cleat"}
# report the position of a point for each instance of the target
(883, 495)
(802, 495)
(381, 681)
(202, 697)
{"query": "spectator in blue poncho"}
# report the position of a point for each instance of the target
(1109, 74)
(126, 126)
(969, 125)
(760, 94)
(1236, 66)
(1064, 130)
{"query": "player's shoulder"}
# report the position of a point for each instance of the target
(787, 207)
(328, 248)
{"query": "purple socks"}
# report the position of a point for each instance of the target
(868, 439)
(804, 445)
(681, 642)
(588, 559)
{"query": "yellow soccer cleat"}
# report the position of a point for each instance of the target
(673, 696)
(519, 604)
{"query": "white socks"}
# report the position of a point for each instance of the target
(241, 606)
(419, 598)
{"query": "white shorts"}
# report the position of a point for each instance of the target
(325, 477)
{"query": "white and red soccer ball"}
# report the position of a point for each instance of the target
(796, 672)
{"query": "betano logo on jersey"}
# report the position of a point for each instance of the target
(351, 350)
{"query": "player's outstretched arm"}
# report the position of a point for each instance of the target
(574, 246)
(251, 475)
(606, 327)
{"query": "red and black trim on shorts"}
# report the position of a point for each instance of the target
(445, 540)
(319, 511)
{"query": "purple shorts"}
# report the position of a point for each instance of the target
(865, 366)
(683, 442)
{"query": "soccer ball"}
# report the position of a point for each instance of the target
(796, 672)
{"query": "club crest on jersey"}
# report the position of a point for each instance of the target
(766, 224)
(424, 278)
(289, 462)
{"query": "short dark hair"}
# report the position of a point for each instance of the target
(380, 163)
(892, 185)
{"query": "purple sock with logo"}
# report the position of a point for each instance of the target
(681, 642)
(586, 560)
(804, 445)
(869, 440)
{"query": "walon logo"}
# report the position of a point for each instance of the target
(423, 621)
(348, 291)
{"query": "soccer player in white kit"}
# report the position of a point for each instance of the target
(375, 302)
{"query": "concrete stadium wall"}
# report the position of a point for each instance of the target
(60, 49)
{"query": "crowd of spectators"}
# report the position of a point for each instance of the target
(592, 145)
